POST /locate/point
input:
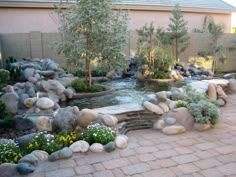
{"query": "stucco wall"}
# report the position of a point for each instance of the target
(23, 20)
(195, 20)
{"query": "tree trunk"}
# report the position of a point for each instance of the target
(176, 51)
(88, 73)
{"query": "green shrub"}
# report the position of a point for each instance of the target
(97, 133)
(10, 153)
(96, 88)
(204, 112)
(6, 116)
(4, 77)
(79, 85)
(181, 104)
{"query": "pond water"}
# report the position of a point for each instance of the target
(126, 91)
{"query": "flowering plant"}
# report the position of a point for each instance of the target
(51, 143)
(10, 153)
(97, 133)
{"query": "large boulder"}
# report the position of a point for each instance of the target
(109, 120)
(8, 170)
(96, 147)
(23, 123)
(56, 86)
(64, 153)
(66, 119)
(86, 117)
(34, 157)
(23, 141)
(232, 85)
(28, 72)
(79, 146)
(212, 92)
(44, 103)
(173, 130)
(121, 141)
(153, 108)
(43, 123)
(183, 117)
(11, 99)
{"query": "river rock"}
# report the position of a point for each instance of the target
(43, 123)
(66, 119)
(173, 130)
(121, 141)
(64, 153)
(80, 146)
(23, 123)
(110, 147)
(8, 88)
(96, 147)
(28, 72)
(44, 103)
(29, 102)
(22, 98)
(212, 92)
(109, 120)
(182, 116)
(33, 80)
(23, 141)
(170, 120)
(171, 104)
(56, 86)
(34, 157)
(11, 100)
(66, 81)
(139, 75)
(162, 96)
(69, 92)
(159, 125)
(25, 168)
(164, 107)
(153, 108)
(8, 170)
(86, 117)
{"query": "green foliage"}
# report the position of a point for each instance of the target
(150, 53)
(181, 104)
(199, 105)
(216, 50)
(79, 85)
(95, 88)
(92, 31)
(4, 77)
(177, 35)
(7, 118)
(10, 153)
(204, 112)
(97, 133)
(14, 69)
(51, 143)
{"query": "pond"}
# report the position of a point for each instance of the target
(126, 91)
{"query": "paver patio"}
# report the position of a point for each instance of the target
(152, 154)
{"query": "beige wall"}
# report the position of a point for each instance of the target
(24, 20)
(195, 20)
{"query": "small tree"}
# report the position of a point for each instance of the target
(215, 31)
(150, 52)
(92, 31)
(178, 33)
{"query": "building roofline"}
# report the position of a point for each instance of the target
(51, 5)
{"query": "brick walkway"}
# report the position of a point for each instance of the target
(152, 154)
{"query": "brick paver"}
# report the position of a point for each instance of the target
(150, 153)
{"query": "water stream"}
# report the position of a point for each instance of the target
(126, 91)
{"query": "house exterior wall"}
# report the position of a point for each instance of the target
(24, 20)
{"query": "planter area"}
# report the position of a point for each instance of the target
(60, 132)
